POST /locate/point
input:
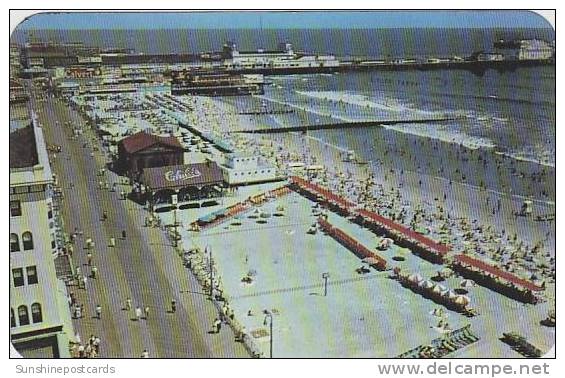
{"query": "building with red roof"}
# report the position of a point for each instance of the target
(143, 150)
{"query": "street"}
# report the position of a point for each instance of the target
(142, 267)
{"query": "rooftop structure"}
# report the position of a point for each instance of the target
(143, 150)
(246, 169)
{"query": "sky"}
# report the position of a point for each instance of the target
(285, 20)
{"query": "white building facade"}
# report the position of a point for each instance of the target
(40, 323)
(284, 58)
(534, 49)
(239, 169)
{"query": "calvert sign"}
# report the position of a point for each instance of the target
(181, 175)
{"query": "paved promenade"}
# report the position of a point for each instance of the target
(143, 266)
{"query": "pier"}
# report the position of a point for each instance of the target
(266, 111)
(346, 125)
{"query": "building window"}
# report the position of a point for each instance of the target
(14, 243)
(15, 208)
(23, 315)
(36, 315)
(18, 276)
(12, 318)
(31, 272)
(27, 240)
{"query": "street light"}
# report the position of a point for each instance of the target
(270, 316)
(211, 273)
(174, 201)
(325, 276)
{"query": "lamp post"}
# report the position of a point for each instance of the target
(211, 274)
(325, 276)
(270, 317)
(174, 200)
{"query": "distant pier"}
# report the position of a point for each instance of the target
(345, 125)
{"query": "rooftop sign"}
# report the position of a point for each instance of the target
(181, 175)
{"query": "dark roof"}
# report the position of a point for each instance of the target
(23, 151)
(179, 176)
(143, 140)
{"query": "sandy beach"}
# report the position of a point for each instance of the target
(466, 198)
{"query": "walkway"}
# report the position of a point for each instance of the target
(143, 266)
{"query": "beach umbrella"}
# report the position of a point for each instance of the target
(371, 261)
(428, 284)
(462, 300)
(467, 283)
(450, 294)
(439, 289)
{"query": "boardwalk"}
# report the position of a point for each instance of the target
(143, 266)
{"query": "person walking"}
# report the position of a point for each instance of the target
(145, 354)
(173, 306)
(81, 351)
(146, 311)
(124, 234)
(128, 304)
(89, 258)
(94, 271)
(99, 311)
(138, 313)
(84, 281)
(104, 215)
(96, 344)
(217, 325)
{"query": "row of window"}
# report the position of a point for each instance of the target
(27, 241)
(23, 315)
(18, 276)
(16, 209)
(28, 189)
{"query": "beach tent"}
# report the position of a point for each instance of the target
(467, 283)
(415, 278)
(462, 300)
(426, 284)
(450, 294)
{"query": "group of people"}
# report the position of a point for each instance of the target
(91, 349)
(138, 312)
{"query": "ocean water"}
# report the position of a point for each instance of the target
(512, 112)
